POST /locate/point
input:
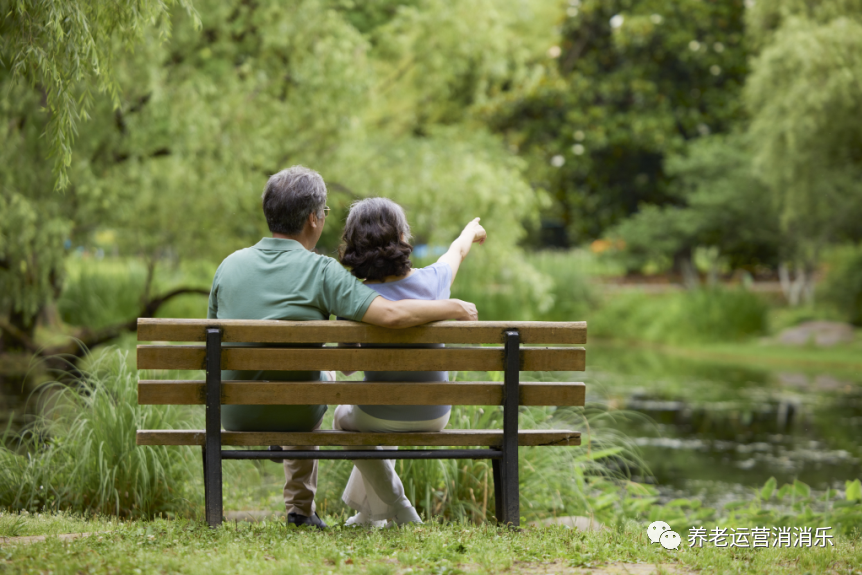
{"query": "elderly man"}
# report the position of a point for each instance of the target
(282, 278)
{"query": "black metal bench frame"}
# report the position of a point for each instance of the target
(504, 460)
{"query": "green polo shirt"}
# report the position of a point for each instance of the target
(279, 279)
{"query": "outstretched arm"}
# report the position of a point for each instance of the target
(410, 312)
(473, 233)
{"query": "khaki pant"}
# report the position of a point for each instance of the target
(300, 480)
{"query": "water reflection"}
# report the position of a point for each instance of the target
(714, 429)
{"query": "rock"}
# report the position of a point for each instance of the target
(829, 383)
(820, 333)
(798, 380)
(820, 383)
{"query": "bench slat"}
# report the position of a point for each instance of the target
(173, 392)
(454, 437)
(356, 359)
(271, 331)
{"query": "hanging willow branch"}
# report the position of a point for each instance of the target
(64, 356)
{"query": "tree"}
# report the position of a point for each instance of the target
(804, 94)
(67, 49)
(631, 82)
(721, 206)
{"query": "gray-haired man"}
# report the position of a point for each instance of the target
(282, 278)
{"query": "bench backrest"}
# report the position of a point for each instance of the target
(164, 355)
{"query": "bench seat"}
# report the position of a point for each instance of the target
(448, 437)
(234, 392)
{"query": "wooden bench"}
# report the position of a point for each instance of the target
(510, 356)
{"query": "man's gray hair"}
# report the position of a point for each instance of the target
(290, 196)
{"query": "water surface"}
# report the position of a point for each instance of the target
(715, 429)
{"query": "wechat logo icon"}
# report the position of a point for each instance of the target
(659, 532)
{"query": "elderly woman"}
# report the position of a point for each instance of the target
(376, 248)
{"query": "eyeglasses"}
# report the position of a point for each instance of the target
(326, 211)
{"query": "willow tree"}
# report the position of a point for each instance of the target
(67, 51)
(57, 61)
(805, 94)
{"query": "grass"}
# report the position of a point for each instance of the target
(81, 453)
(175, 546)
(843, 358)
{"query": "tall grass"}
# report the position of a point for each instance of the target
(81, 453)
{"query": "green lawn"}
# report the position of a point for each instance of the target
(843, 358)
(163, 546)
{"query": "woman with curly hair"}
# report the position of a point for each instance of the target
(376, 248)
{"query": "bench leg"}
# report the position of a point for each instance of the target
(510, 504)
(498, 490)
(212, 443)
(204, 459)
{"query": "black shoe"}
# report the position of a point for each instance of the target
(276, 448)
(303, 521)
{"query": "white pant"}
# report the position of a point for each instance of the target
(374, 488)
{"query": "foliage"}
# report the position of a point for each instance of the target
(437, 60)
(81, 455)
(67, 51)
(101, 292)
(33, 224)
(721, 205)
(533, 286)
(843, 284)
(100, 295)
(693, 316)
(804, 96)
(630, 82)
(765, 17)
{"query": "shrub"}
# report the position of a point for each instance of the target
(695, 316)
(96, 294)
(843, 285)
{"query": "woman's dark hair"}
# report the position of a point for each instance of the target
(374, 243)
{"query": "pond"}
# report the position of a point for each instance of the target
(714, 430)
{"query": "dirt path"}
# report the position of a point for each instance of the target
(561, 568)
(39, 538)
